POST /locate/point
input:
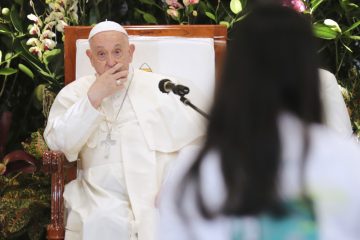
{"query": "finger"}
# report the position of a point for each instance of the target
(115, 68)
(121, 75)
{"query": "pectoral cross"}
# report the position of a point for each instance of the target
(108, 142)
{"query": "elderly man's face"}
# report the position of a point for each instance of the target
(109, 48)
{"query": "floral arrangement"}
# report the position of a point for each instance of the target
(336, 24)
(43, 39)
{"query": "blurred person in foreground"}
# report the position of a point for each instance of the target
(269, 169)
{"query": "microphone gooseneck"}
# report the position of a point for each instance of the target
(166, 86)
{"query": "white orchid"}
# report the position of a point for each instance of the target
(34, 29)
(60, 26)
(50, 25)
(47, 34)
(54, 16)
(33, 42)
(174, 13)
(37, 51)
(32, 17)
(60, 13)
(48, 44)
(56, 7)
(332, 24)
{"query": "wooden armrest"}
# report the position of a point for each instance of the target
(52, 160)
(55, 163)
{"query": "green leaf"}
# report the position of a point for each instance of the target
(210, 6)
(26, 70)
(7, 71)
(354, 37)
(225, 23)
(202, 6)
(20, 2)
(241, 18)
(149, 18)
(347, 6)
(346, 47)
(324, 32)
(15, 19)
(315, 4)
(4, 29)
(140, 11)
(190, 8)
(49, 55)
(8, 57)
(235, 6)
(149, 2)
(210, 15)
(39, 95)
(355, 25)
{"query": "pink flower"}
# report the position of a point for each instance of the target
(174, 3)
(190, 2)
(297, 5)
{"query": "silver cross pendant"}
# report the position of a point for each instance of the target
(108, 142)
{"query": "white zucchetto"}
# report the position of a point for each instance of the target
(106, 26)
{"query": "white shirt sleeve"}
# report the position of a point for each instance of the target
(186, 222)
(71, 122)
(333, 181)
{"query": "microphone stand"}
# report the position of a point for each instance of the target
(188, 103)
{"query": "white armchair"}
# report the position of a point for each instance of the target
(336, 115)
(195, 66)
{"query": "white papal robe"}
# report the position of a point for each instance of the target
(113, 197)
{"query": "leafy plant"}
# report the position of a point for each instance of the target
(25, 206)
(17, 80)
(337, 24)
(190, 12)
(30, 66)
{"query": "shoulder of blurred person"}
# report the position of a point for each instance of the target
(332, 175)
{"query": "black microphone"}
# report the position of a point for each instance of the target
(167, 86)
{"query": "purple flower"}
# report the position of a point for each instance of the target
(297, 5)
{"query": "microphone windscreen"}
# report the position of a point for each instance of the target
(162, 85)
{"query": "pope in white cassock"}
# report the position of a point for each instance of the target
(123, 131)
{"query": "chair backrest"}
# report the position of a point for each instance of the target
(193, 54)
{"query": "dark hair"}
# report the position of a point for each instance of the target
(271, 67)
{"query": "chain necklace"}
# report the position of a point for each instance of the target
(108, 142)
